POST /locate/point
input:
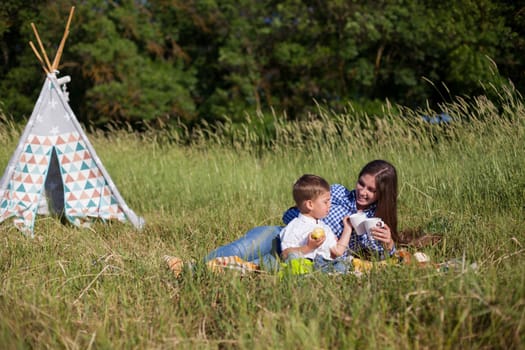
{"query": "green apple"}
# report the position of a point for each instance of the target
(317, 233)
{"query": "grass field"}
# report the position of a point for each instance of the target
(107, 287)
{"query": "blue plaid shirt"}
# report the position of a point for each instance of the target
(343, 203)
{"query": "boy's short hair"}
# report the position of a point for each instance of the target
(309, 187)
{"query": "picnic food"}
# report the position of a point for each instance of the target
(317, 233)
(174, 264)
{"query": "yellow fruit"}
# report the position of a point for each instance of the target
(317, 233)
(362, 265)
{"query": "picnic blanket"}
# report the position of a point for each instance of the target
(304, 267)
(218, 265)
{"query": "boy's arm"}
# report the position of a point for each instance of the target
(342, 243)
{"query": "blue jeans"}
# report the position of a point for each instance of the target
(336, 265)
(260, 245)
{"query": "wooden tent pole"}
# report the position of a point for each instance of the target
(38, 57)
(63, 41)
(41, 47)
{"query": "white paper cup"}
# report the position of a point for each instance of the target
(370, 223)
(357, 221)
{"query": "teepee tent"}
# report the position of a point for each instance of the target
(55, 169)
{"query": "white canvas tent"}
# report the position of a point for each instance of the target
(55, 169)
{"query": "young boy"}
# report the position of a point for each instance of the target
(301, 239)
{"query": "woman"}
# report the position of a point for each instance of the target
(375, 194)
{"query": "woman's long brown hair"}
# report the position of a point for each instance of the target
(386, 192)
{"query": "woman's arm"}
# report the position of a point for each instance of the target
(290, 214)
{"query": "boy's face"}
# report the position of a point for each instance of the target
(320, 206)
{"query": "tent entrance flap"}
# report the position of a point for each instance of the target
(54, 187)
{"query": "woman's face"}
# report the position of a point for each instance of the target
(366, 191)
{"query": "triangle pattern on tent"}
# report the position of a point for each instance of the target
(84, 183)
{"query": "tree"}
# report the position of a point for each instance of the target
(119, 72)
(127, 76)
(133, 61)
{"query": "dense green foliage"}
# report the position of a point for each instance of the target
(158, 60)
(108, 287)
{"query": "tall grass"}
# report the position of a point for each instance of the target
(107, 287)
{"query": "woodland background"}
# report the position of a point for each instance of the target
(151, 63)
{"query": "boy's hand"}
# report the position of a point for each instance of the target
(347, 222)
(315, 243)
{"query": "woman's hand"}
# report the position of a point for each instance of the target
(383, 235)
